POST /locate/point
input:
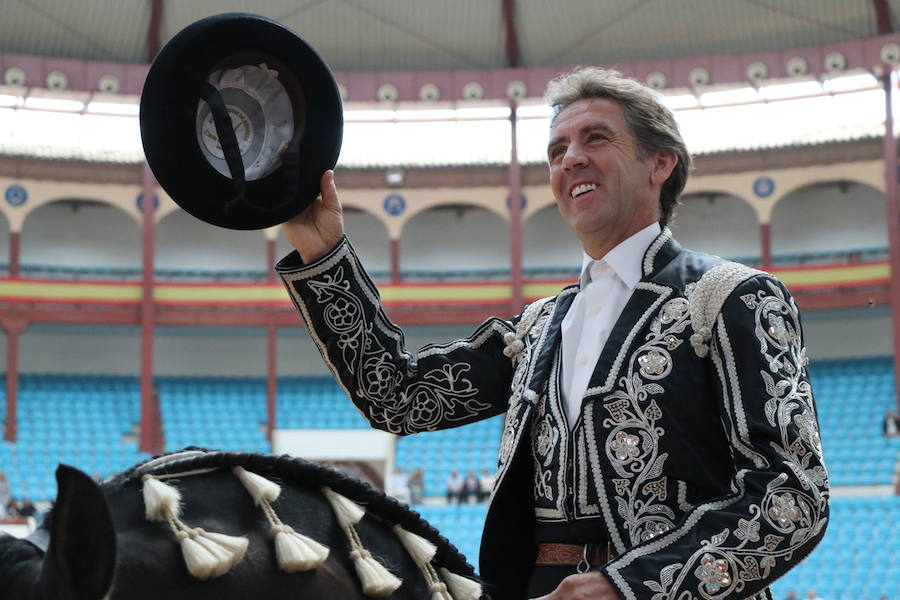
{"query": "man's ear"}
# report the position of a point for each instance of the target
(662, 163)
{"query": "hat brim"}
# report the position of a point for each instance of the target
(168, 116)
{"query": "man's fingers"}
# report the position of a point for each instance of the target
(329, 191)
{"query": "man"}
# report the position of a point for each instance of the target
(660, 438)
(455, 486)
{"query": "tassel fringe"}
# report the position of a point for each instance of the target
(160, 499)
(421, 550)
(461, 588)
(376, 581)
(439, 591)
(206, 554)
(297, 552)
(294, 551)
(260, 488)
(348, 513)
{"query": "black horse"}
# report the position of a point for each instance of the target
(97, 542)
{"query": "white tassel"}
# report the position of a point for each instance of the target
(201, 563)
(259, 487)
(699, 341)
(234, 546)
(376, 580)
(160, 499)
(461, 588)
(297, 552)
(421, 550)
(348, 513)
(439, 591)
(221, 556)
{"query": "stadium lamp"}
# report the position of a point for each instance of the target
(394, 176)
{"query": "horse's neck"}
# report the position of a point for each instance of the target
(20, 566)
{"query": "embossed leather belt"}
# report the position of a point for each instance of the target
(587, 556)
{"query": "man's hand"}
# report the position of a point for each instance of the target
(586, 586)
(319, 228)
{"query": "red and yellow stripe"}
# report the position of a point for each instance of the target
(404, 294)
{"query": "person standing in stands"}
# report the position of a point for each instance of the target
(661, 437)
(485, 484)
(455, 486)
(416, 486)
(5, 494)
(471, 488)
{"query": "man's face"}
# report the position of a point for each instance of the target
(604, 192)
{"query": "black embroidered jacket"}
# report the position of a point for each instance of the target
(697, 446)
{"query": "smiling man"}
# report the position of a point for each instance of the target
(661, 438)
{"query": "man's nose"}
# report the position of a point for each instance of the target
(574, 158)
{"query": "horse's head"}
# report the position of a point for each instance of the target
(72, 556)
(197, 524)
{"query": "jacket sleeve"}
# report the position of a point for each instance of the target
(737, 545)
(444, 386)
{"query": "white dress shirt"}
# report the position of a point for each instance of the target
(606, 285)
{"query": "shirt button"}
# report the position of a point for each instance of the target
(596, 308)
(582, 360)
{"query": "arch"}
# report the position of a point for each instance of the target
(77, 232)
(548, 243)
(367, 232)
(454, 237)
(717, 223)
(829, 216)
(491, 199)
(869, 173)
(186, 243)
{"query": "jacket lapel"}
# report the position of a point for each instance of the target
(543, 361)
(644, 302)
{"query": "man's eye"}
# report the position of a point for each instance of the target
(594, 137)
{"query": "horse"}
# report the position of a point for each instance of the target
(131, 537)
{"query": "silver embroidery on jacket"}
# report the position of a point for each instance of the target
(632, 445)
(791, 513)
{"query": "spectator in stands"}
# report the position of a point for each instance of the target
(812, 595)
(792, 595)
(661, 436)
(416, 486)
(486, 484)
(891, 425)
(12, 508)
(454, 488)
(5, 494)
(27, 508)
(471, 488)
(400, 485)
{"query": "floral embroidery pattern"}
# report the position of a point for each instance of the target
(633, 444)
(441, 394)
(784, 510)
(730, 559)
(544, 440)
(713, 573)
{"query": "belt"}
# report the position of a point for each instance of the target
(586, 556)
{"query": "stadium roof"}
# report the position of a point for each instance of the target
(412, 35)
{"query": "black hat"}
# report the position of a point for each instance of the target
(239, 119)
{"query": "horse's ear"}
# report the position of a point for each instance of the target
(80, 561)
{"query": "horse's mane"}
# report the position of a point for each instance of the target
(289, 468)
(16, 558)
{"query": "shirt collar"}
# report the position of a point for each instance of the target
(625, 259)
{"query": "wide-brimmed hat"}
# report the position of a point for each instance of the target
(239, 120)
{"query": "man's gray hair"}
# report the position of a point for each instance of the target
(652, 124)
